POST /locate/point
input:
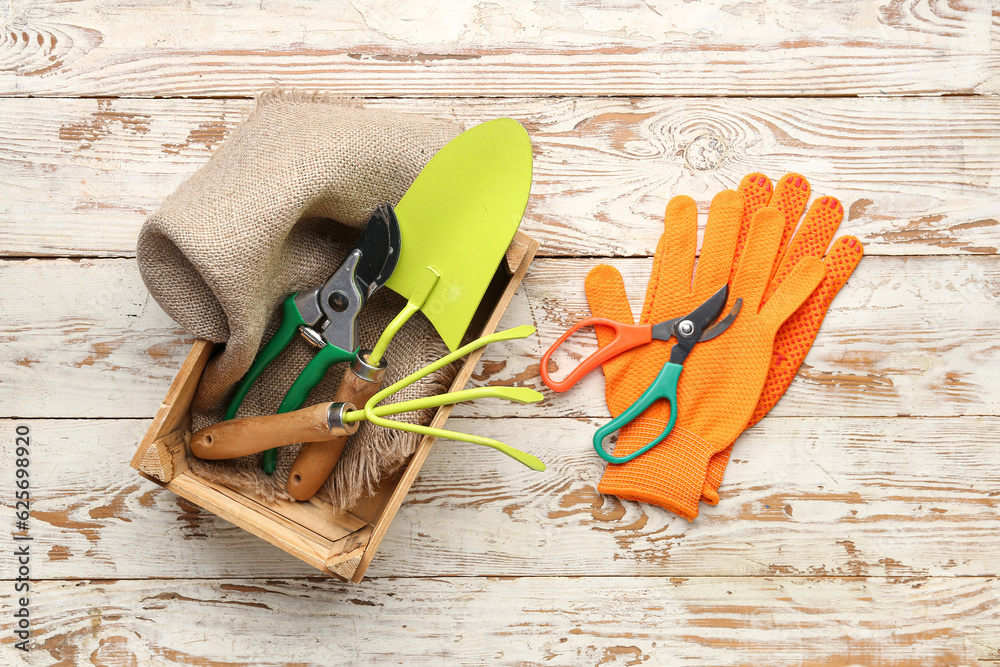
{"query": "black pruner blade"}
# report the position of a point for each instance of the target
(333, 307)
(379, 244)
(694, 327)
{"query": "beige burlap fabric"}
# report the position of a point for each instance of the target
(274, 211)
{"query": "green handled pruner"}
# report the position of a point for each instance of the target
(327, 315)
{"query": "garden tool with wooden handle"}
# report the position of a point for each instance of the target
(327, 315)
(456, 221)
(317, 423)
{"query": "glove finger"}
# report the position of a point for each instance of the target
(606, 296)
(716, 260)
(791, 195)
(840, 264)
(673, 262)
(792, 293)
(756, 191)
(754, 270)
(796, 335)
(791, 345)
(811, 240)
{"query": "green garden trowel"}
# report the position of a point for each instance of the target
(456, 221)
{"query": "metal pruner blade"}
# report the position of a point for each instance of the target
(695, 326)
(331, 310)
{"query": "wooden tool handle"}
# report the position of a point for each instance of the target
(316, 460)
(240, 437)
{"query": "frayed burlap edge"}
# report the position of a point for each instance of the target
(283, 94)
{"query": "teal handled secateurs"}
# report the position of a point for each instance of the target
(688, 330)
(327, 315)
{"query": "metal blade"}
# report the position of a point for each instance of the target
(708, 312)
(701, 316)
(366, 268)
(722, 324)
(379, 244)
(690, 329)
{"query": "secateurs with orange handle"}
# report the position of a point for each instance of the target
(689, 330)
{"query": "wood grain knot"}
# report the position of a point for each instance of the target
(706, 152)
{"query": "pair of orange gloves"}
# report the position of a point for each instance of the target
(731, 382)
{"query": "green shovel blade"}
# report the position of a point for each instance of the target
(459, 216)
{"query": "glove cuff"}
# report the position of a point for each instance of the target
(713, 478)
(670, 475)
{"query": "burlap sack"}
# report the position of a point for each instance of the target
(274, 211)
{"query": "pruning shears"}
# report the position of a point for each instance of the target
(327, 315)
(688, 330)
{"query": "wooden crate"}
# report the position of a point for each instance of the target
(338, 543)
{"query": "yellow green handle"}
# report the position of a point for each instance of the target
(428, 279)
(517, 394)
(516, 454)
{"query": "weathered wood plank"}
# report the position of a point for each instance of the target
(76, 344)
(908, 336)
(530, 47)
(917, 176)
(526, 621)
(802, 497)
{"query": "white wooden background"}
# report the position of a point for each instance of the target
(859, 522)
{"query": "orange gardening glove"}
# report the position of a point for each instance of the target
(797, 334)
(627, 375)
(723, 377)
